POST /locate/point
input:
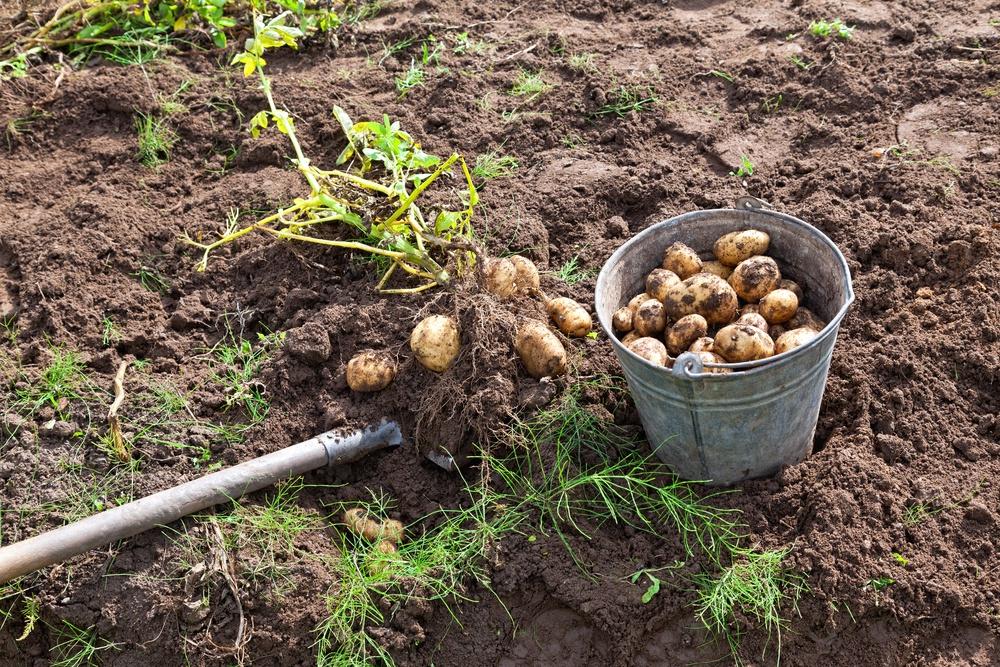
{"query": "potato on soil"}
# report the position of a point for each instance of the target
(357, 520)
(501, 277)
(684, 332)
(571, 318)
(805, 318)
(638, 300)
(712, 358)
(716, 268)
(650, 318)
(621, 321)
(650, 349)
(794, 338)
(742, 342)
(754, 277)
(682, 260)
(541, 352)
(779, 306)
(705, 294)
(526, 275)
(703, 344)
(754, 320)
(370, 371)
(791, 286)
(659, 281)
(435, 342)
(735, 247)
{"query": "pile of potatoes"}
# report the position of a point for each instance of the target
(734, 308)
(436, 341)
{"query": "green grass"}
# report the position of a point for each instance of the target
(492, 164)
(412, 78)
(151, 279)
(155, 140)
(624, 100)
(725, 76)
(755, 588)
(9, 330)
(62, 380)
(801, 63)
(110, 333)
(582, 62)
(835, 28)
(744, 169)
(529, 85)
(78, 647)
(238, 363)
(572, 272)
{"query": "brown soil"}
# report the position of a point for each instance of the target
(910, 417)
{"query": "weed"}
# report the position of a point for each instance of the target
(240, 362)
(9, 330)
(835, 28)
(396, 47)
(491, 164)
(78, 647)
(878, 585)
(356, 13)
(571, 140)
(755, 586)
(625, 100)
(745, 169)
(31, 615)
(155, 140)
(110, 334)
(725, 76)
(18, 128)
(16, 67)
(801, 63)
(529, 85)
(151, 279)
(653, 588)
(571, 272)
(773, 103)
(62, 380)
(582, 62)
(413, 77)
(900, 558)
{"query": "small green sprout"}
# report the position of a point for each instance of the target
(801, 63)
(414, 77)
(726, 76)
(625, 100)
(835, 28)
(156, 140)
(529, 85)
(900, 558)
(110, 334)
(582, 62)
(745, 169)
(491, 164)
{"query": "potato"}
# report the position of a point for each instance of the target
(685, 331)
(358, 520)
(775, 330)
(742, 342)
(659, 281)
(794, 338)
(540, 350)
(571, 318)
(650, 349)
(779, 306)
(791, 286)
(703, 344)
(638, 300)
(716, 269)
(629, 337)
(621, 321)
(650, 318)
(682, 260)
(526, 279)
(712, 358)
(754, 277)
(370, 371)
(805, 318)
(754, 320)
(500, 277)
(749, 308)
(435, 342)
(707, 295)
(380, 560)
(735, 247)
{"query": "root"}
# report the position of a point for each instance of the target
(114, 423)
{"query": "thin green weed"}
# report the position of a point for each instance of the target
(155, 139)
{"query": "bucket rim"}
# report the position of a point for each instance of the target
(740, 369)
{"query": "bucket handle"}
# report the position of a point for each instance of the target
(752, 203)
(688, 366)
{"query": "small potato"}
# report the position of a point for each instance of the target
(621, 321)
(500, 276)
(631, 336)
(358, 520)
(638, 300)
(754, 320)
(650, 349)
(805, 318)
(650, 318)
(685, 331)
(779, 306)
(370, 371)
(380, 562)
(775, 330)
(742, 342)
(703, 344)
(541, 352)
(754, 277)
(749, 308)
(791, 286)
(716, 269)
(659, 281)
(571, 318)
(794, 338)
(526, 279)
(682, 260)
(712, 358)
(435, 342)
(735, 247)
(707, 295)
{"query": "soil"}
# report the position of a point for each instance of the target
(910, 416)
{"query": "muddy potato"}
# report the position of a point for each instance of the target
(571, 318)
(713, 358)
(794, 338)
(682, 260)
(358, 520)
(749, 308)
(791, 286)
(716, 268)
(526, 279)
(775, 330)
(435, 342)
(707, 295)
(370, 371)
(685, 331)
(754, 320)
(629, 337)
(540, 350)
(500, 277)
(779, 306)
(621, 321)
(659, 281)
(742, 342)
(650, 349)
(638, 300)
(703, 344)
(755, 277)
(735, 247)
(650, 318)
(805, 318)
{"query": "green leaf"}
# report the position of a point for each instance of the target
(652, 590)
(258, 123)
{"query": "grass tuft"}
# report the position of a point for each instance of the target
(625, 100)
(156, 140)
(491, 164)
(572, 272)
(79, 647)
(529, 85)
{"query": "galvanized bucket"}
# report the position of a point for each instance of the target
(726, 428)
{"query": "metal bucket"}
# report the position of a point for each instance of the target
(726, 428)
